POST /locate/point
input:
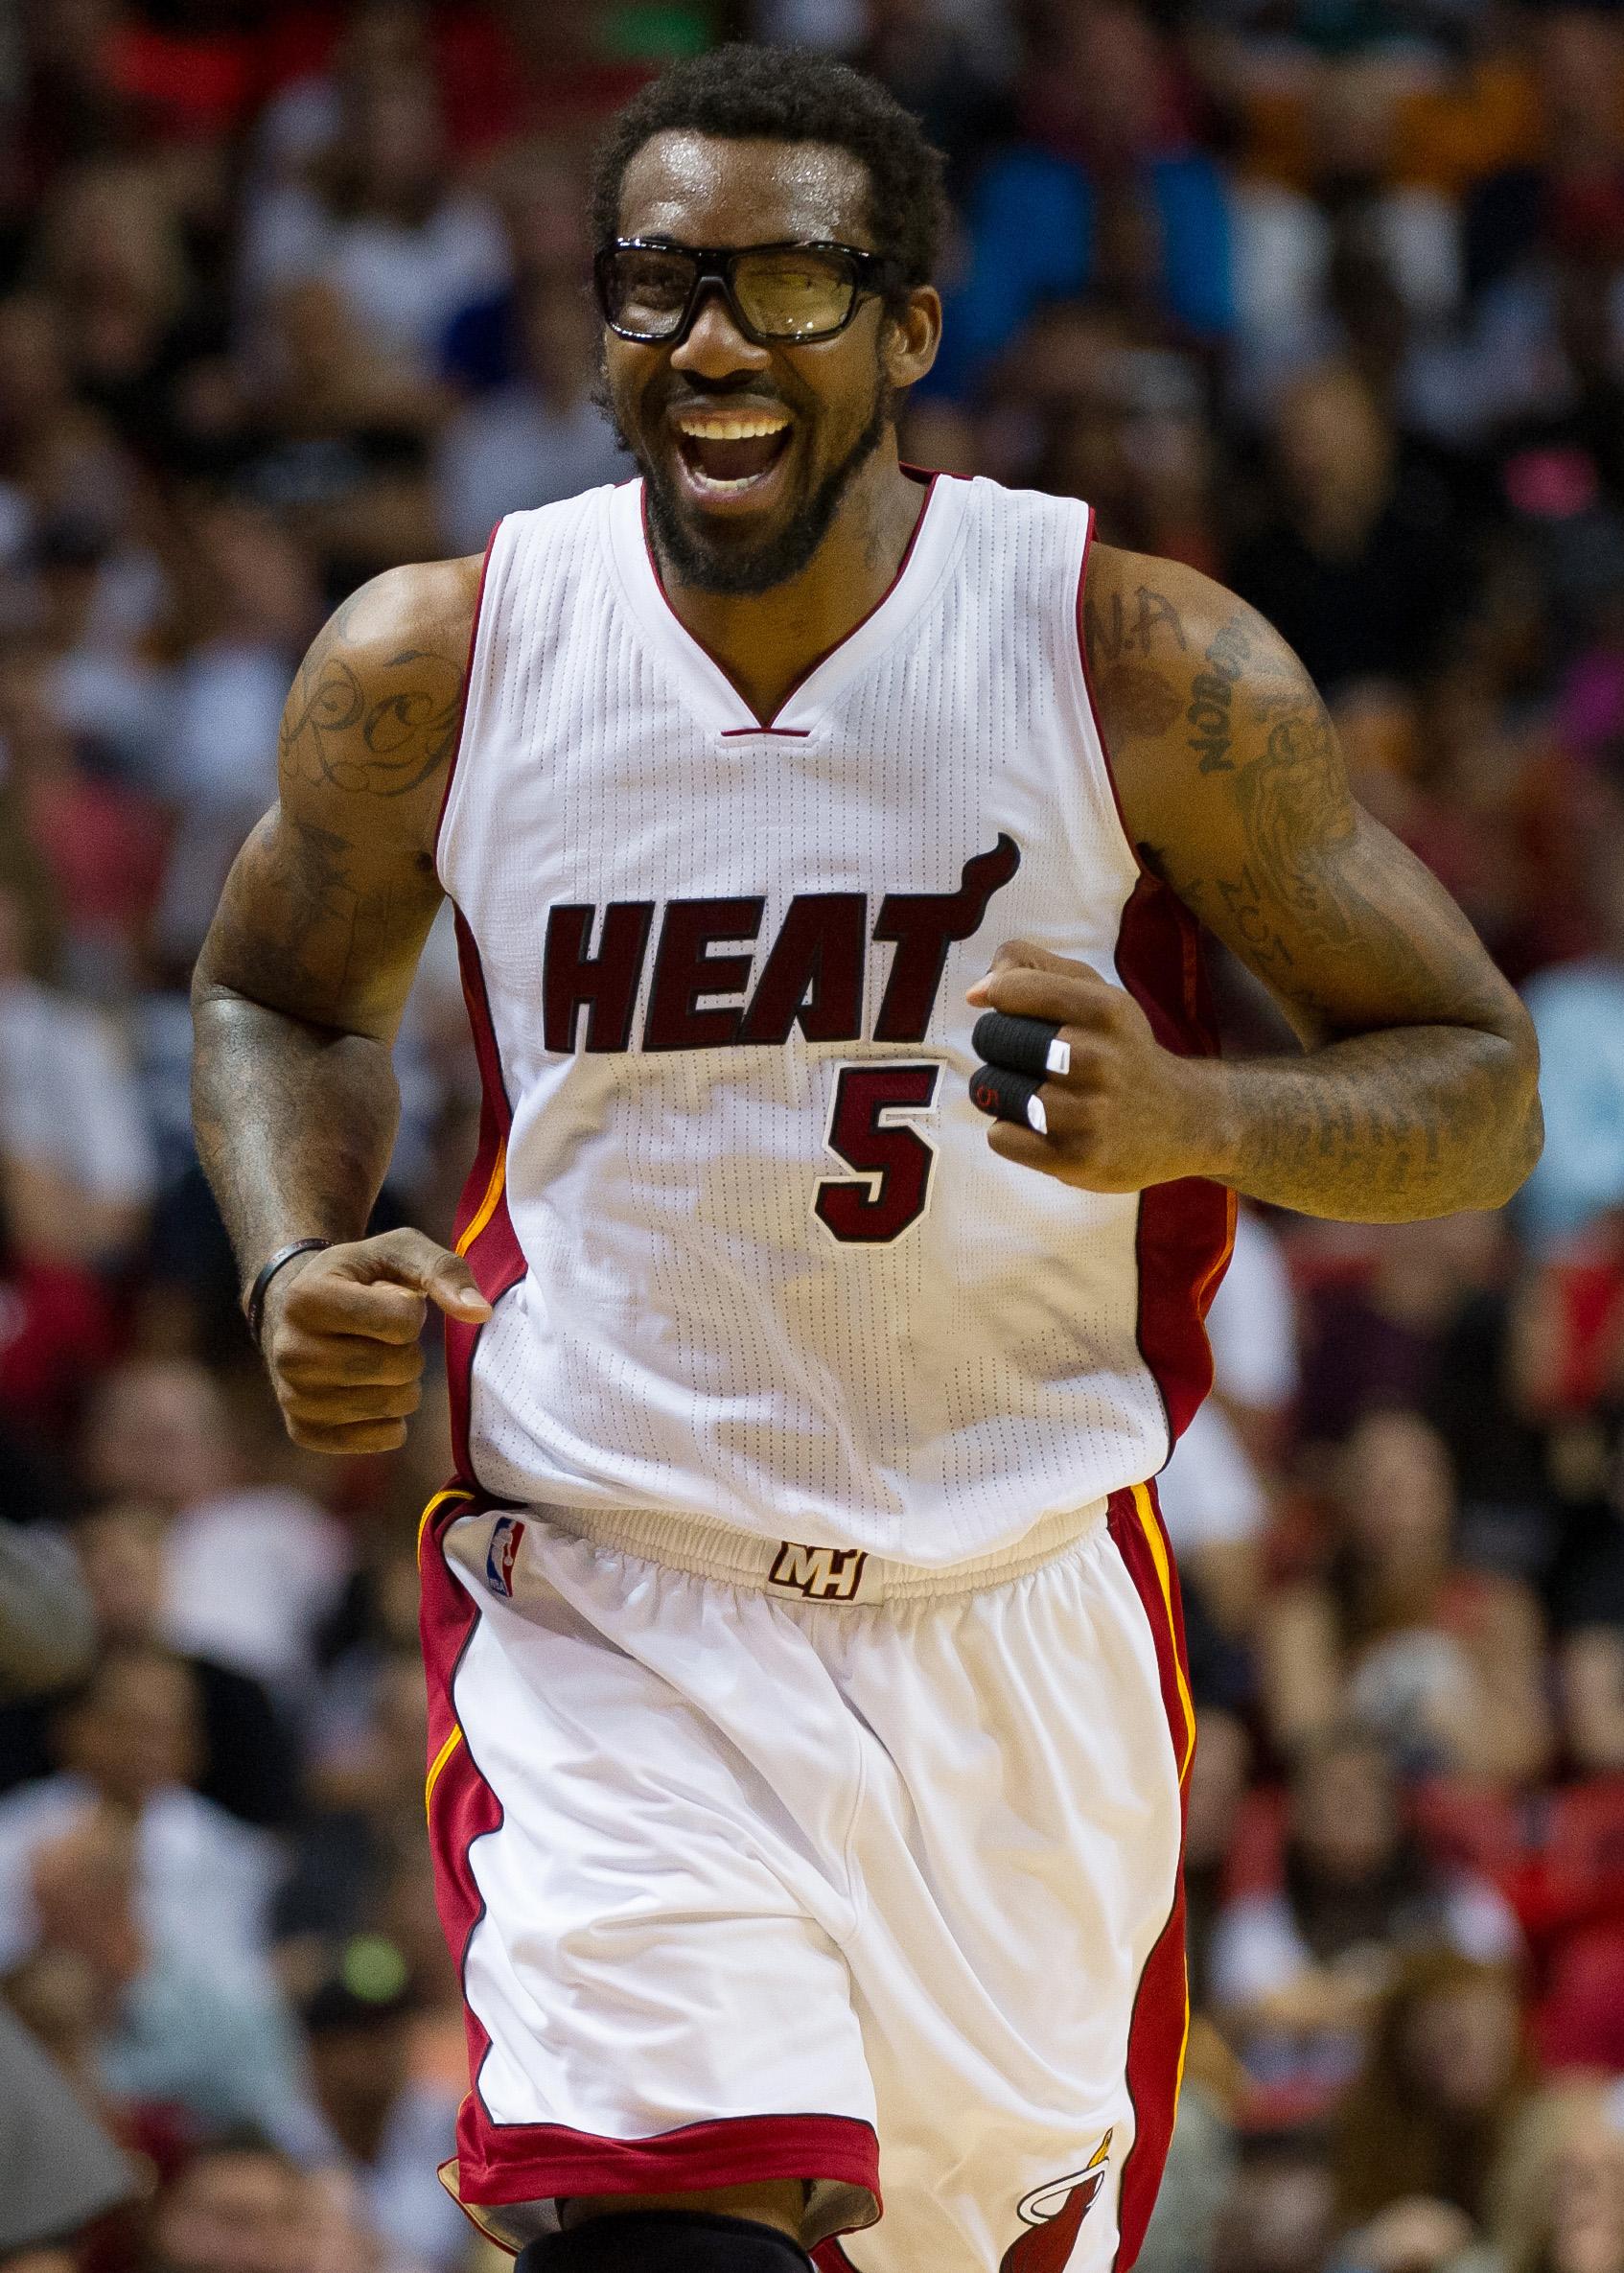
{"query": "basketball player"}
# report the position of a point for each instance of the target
(808, 1720)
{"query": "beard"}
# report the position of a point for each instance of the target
(736, 572)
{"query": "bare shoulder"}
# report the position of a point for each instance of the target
(373, 715)
(327, 905)
(1235, 793)
(1189, 681)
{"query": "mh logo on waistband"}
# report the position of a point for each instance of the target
(821, 1574)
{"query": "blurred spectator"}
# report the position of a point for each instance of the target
(1578, 1012)
(1446, 1663)
(539, 437)
(541, 189)
(376, 219)
(1298, 1963)
(253, 607)
(1556, 2194)
(1358, 563)
(102, 841)
(391, 2131)
(251, 1568)
(1103, 192)
(143, 2021)
(77, 1157)
(111, 256)
(1214, 1491)
(359, 1832)
(240, 2205)
(128, 1746)
(47, 1627)
(1278, 2218)
(1379, 1311)
(248, 1757)
(1445, 2077)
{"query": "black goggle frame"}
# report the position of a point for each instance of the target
(870, 274)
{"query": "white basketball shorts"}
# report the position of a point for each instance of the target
(767, 1860)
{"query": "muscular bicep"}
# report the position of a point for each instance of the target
(1235, 789)
(329, 902)
(313, 925)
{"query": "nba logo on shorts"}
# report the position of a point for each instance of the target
(502, 1553)
(1051, 2214)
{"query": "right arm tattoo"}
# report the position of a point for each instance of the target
(307, 966)
(1417, 1093)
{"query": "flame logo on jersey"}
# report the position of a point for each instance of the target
(501, 1553)
(1053, 2215)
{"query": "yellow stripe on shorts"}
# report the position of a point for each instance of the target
(487, 1207)
(1163, 1579)
(440, 1758)
(452, 1491)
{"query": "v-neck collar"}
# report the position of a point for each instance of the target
(707, 687)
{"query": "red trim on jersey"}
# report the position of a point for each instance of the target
(504, 2162)
(1160, 2023)
(467, 687)
(1186, 1229)
(829, 2258)
(484, 1234)
(765, 725)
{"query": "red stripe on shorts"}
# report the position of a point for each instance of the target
(504, 2162)
(1160, 2022)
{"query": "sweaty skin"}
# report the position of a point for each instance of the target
(1415, 1093)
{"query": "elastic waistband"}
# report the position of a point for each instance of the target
(799, 1571)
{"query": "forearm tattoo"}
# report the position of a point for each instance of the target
(1418, 1096)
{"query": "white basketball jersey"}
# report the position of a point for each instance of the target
(751, 1255)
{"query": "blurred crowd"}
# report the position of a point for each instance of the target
(1324, 296)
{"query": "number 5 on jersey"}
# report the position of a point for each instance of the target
(870, 1129)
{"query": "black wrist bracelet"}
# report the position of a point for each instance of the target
(253, 1302)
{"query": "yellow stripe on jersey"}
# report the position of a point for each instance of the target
(452, 1491)
(440, 1758)
(1164, 1578)
(487, 1207)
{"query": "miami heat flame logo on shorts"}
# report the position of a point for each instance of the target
(1053, 2213)
(502, 1553)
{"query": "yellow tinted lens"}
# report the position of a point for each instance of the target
(648, 291)
(789, 295)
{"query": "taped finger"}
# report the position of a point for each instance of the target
(1025, 1045)
(1003, 1095)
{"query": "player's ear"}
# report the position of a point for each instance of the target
(912, 335)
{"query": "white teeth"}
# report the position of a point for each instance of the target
(703, 480)
(730, 430)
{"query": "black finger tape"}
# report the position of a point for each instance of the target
(1006, 1096)
(1025, 1045)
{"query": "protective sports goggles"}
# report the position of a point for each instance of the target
(774, 292)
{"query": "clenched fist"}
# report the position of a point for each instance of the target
(341, 1336)
(1125, 1113)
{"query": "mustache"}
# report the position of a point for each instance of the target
(706, 397)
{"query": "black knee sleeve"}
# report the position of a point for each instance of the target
(665, 2241)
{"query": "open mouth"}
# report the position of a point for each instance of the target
(730, 456)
